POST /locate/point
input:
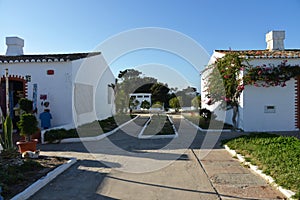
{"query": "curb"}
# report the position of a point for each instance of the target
(95, 138)
(269, 179)
(207, 130)
(36, 186)
(141, 136)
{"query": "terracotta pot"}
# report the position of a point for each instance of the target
(27, 146)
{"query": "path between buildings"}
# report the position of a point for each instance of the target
(153, 169)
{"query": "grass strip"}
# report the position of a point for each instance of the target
(277, 156)
(159, 125)
(88, 130)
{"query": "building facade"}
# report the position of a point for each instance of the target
(52, 79)
(260, 108)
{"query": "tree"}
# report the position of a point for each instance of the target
(187, 95)
(133, 103)
(130, 81)
(145, 104)
(159, 93)
(196, 102)
(175, 103)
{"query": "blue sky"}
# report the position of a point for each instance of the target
(65, 26)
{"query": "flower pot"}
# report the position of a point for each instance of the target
(27, 146)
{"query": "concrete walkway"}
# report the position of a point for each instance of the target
(154, 169)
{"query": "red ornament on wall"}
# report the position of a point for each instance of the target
(50, 72)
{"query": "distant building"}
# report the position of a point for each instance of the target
(265, 109)
(139, 98)
(51, 78)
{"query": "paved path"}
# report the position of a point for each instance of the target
(153, 169)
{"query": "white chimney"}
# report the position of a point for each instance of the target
(274, 40)
(14, 46)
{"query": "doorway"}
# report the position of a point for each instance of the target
(16, 91)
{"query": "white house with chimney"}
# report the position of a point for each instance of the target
(264, 109)
(54, 78)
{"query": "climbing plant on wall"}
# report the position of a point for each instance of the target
(229, 75)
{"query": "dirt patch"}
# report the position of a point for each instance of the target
(17, 174)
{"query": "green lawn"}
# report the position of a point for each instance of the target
(88, 130)
(277, 156)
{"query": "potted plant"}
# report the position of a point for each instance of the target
(26, 106)
(28, 125)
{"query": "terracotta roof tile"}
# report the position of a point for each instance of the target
(263, 54)
(46, 57)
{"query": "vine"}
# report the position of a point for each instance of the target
(225, 71)
(234, 73)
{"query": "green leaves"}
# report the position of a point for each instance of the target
(7, 142)
(28, 125)
(229, 74)
(224, 80)
(271, 75)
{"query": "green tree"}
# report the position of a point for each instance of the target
(159, 93)
(130, 81)
(145, 104)
(187, 95)
(175, 102)
(196, 102)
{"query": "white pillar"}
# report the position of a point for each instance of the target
(7, 91)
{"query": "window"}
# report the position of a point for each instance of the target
(270, 109)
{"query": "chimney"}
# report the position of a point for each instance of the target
(274, 40)
(14, 46)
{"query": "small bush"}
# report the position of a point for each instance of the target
(59, 134)
(26, 105)
(207, 114)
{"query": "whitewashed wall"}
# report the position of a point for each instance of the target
(57, 86)
(255, 100)
(94, 72)
(252, 116)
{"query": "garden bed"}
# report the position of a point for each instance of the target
(14, 178)
(87, 130)
(277, 156)
(158, 126)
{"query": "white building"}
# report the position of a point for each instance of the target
(140, 97)
(265, 109)
(54, 77)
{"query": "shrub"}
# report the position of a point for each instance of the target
(28, 125)
(145, 104)
(207, 114)
(26, 105)
(59, 134)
